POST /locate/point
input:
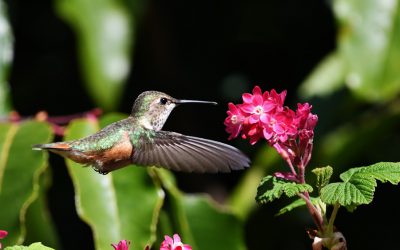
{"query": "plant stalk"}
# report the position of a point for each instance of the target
(329, 229)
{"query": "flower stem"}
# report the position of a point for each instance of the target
(315, 214)
(291, 167)
(329, 229)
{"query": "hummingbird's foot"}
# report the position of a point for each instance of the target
(99, 171)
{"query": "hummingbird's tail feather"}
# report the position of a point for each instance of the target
(56, 146)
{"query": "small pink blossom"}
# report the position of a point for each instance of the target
(279, 126)
(257, 105)
(122, 245)
(234, 121)
(174, 244)
(3, 234)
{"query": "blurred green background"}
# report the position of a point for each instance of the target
(342, 56)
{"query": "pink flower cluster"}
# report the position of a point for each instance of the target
(168, 244)
(174, 243)
(263, 115)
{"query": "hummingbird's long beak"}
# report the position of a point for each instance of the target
(194, 101)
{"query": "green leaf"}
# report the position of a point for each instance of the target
(225, 231)
(20, 172)
(359, 184)
(323, 176)
(39, 224)
(326, 78)
(368, 42)
(299, 203)
(199, 221)
(6, 53)
(295, 204)
(121, 205)
(177, 213)
(367, 54)
(33, 246)
(272, 188)
(104, 31)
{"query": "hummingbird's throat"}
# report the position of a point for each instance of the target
(155, 120)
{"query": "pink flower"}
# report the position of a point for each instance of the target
(122, 245)
(234, 121)
(258, 105)
(279, 126)
(3, 234)
(255, 117)
(252, 131)
(174, 244)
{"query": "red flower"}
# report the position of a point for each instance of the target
(262, 115)
(234, 121)
(174, 244)
(279, 126)
(3, 234)
(122, 245)
(254, 116)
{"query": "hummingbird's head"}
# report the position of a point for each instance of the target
(152, 108)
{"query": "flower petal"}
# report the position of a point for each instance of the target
(254, 119)
(177, 238)
(187, 247)
(257, 90)
(257, 100)
(247, 108)
(264, 118)
(168, 240)
(247, 98)
(268, 106)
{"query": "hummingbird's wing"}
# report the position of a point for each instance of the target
(188, 154)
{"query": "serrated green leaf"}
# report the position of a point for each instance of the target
(105, 36)
(359, 184)
(20, 172)
(272, 188)
(323, 176)
(382, 171)
(121, 205)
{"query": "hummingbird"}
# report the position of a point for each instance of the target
(139, 140)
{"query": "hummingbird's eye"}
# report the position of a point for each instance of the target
(163, 100)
